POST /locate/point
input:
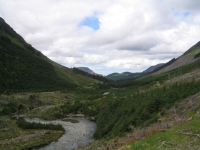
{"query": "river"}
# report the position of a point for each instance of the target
(76, 135)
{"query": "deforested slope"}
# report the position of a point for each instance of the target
(188, 57)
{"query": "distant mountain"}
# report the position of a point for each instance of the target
(190, 56)
(23, 68)
(152, 68)
(124, 76)
(89, 73)
(86, 69)
(127, 73)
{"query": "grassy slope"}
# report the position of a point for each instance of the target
(124, 76)
(181, 137)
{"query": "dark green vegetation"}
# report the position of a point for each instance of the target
(124, 76)
(97, 77)
(33, 125)
(21, 71)
(20, 106)
(23, 68)
(86, 69)
(115, 112)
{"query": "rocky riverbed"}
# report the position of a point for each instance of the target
(78, 133)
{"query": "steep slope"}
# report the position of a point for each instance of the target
(93, 76)
(152, 68)
(86, 69)
(22, 67)
(188, 57)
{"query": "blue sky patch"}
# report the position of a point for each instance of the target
(178, 13)
(91, 22)
(186, 14)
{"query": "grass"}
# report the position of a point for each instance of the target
(15, 41)
(51, 136)
(10, 131)
(69, 76)
(47, 98)
(13, 137)
(46, 112)
(183, 136)
(196, 51)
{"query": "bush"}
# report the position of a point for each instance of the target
(28, 125)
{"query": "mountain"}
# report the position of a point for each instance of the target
(152, 68)
(124, 76)
(86, 69)
(91, 75)
(190, 56)
(23, 68)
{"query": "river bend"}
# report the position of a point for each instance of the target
(76, 134)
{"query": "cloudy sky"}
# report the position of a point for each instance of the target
(106, 35)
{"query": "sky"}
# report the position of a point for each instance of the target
(108, 35)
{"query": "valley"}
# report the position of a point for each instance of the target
(155, 110)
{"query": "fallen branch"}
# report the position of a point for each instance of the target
(198, 135)
(166, 142)
(162, 144)
(186, 130)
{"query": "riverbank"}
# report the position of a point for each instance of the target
(13, 137)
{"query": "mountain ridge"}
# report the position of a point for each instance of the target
(187, 57)
(124, 75)
(152, 68)
(86, 69)
(25, 68)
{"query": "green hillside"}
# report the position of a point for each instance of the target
(194, 50)
(23, 68)
(124, 76)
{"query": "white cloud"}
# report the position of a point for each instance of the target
(132, 36)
